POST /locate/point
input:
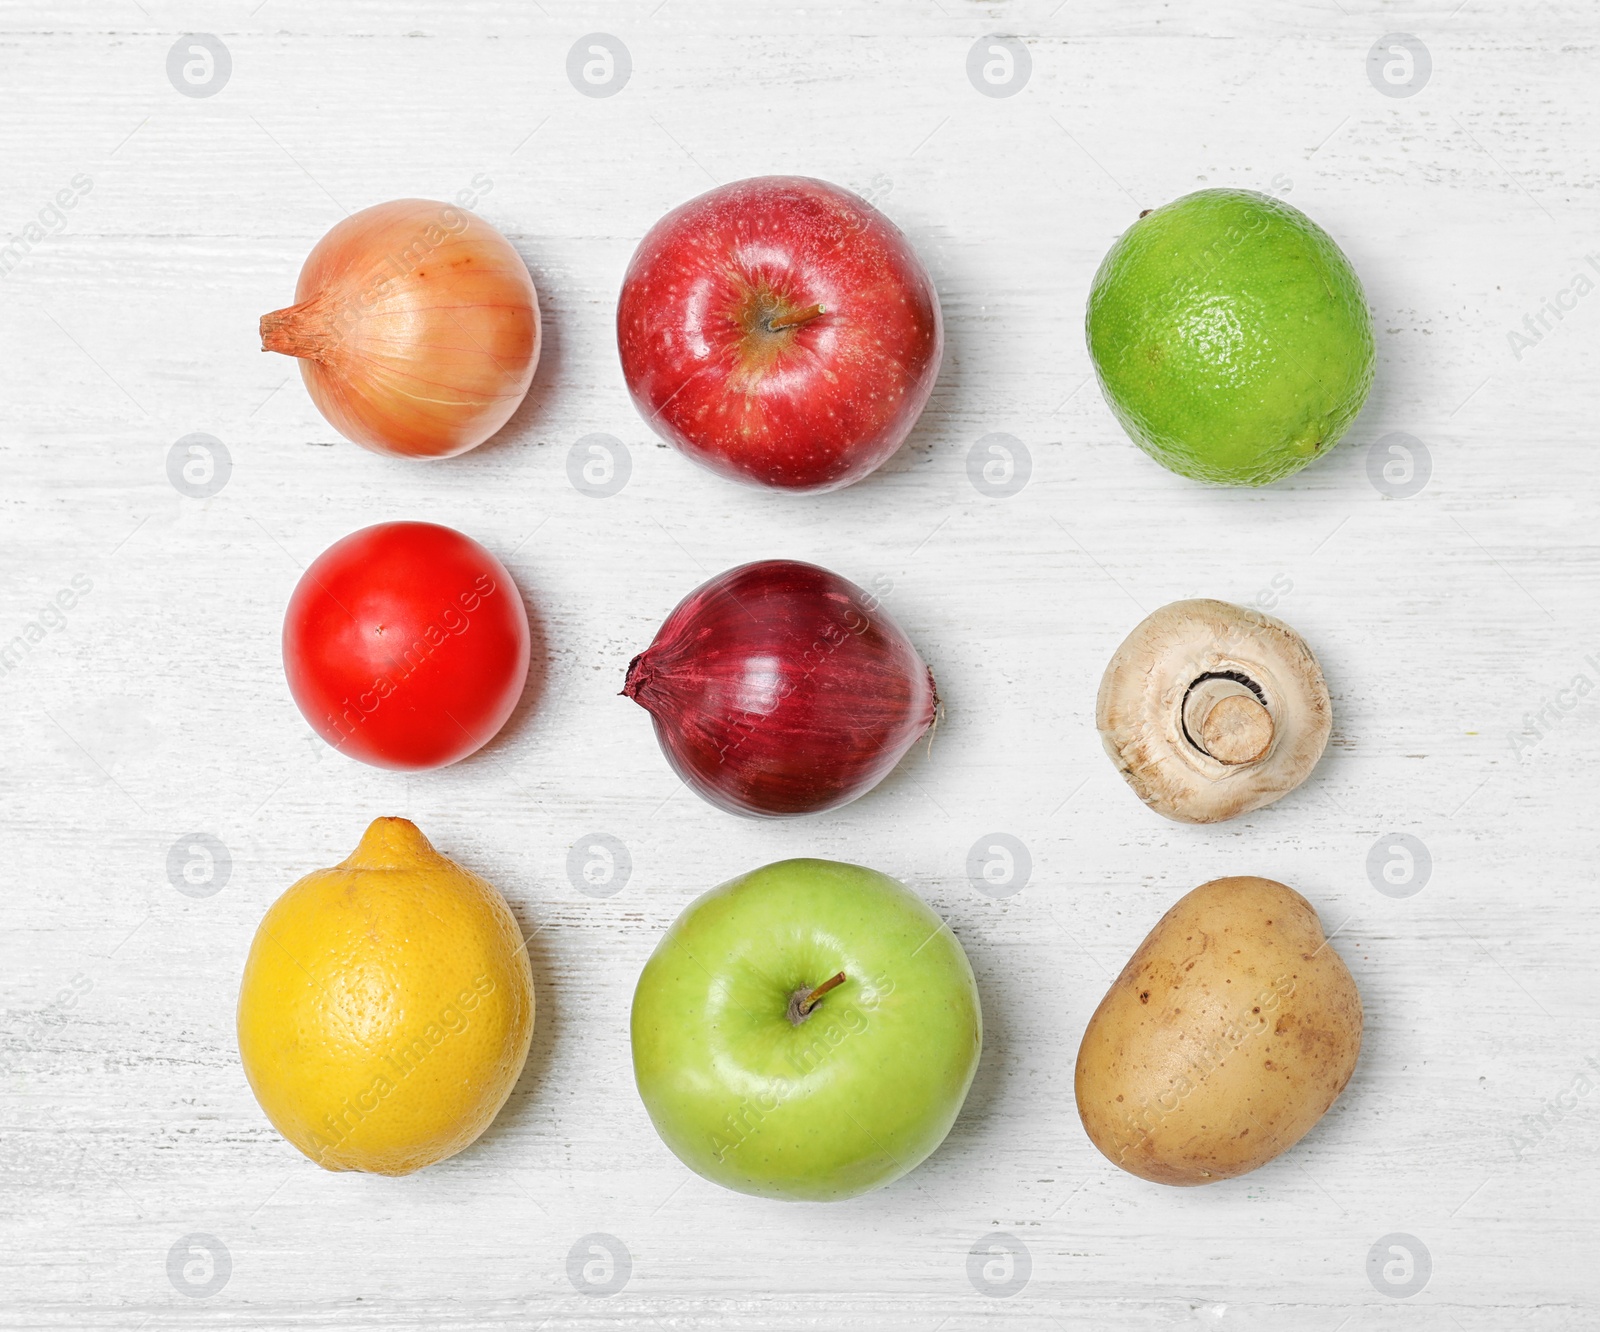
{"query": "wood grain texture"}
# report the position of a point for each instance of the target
(1456, 628)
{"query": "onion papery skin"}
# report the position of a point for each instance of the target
(417, 329)
(779, 688)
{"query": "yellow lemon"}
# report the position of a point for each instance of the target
(386, 1007)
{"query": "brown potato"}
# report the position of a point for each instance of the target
(1226, 1037)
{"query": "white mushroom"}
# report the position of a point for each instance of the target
(1212, 710)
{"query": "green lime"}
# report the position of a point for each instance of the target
(1231, 337)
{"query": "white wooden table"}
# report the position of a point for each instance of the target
(1456, 625)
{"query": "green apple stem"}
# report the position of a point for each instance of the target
(801, 1002)
(795, 318)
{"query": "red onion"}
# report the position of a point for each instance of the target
(779, 688)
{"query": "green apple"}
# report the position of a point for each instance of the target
(807, 1030)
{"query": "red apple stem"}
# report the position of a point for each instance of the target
(795, 318)
(801, 1003)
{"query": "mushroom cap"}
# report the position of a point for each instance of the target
(1208, 675)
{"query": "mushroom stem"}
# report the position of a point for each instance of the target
(1225, 719)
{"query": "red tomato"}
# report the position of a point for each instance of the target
(406, 645)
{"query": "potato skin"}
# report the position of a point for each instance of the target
(1227, 1036)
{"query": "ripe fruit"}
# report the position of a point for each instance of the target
(780, 331)
(807, 1030)
(406, 645)
(386, 1007)
(1231, 337)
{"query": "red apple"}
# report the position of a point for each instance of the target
(780, 331)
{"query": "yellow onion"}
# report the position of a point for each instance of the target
(417, 328)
